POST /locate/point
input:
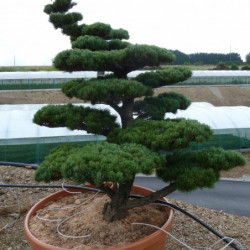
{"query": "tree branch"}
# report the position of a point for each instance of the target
(114, 106)
(110, 192)
(152, 197)
(143, 116)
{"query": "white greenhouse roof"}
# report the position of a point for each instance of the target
(47, 75)
(226, 117)
(220, 73)
(57, 74)
(16, 120)
(93, 74)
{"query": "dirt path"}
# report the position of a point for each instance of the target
(218, 96)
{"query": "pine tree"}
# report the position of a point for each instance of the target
(134, 146)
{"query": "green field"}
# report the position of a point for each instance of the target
(26, 68)
(25, 86)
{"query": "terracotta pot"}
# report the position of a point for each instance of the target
(155, 241)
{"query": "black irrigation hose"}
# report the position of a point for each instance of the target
(194, 218)
(16, 164)
(132, 196)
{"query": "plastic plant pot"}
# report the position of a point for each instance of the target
(156, 240)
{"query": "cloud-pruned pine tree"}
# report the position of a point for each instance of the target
(134, 146)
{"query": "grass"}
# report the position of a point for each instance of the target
(232, 82)
(26, 68)
(24, 86)
(199, 67)
(193, 67)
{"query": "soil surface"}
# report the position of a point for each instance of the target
(88, 222)
(17, 201)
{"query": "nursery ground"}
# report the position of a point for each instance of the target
(195, 235)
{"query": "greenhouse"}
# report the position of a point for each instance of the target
(45, 79)
(41, 79)
(54, 79)
(219, 77)
(227, 117)
(23, 141)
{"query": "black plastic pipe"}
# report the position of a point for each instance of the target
(194, 218)
(21, 165)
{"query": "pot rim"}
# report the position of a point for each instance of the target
(41, 204)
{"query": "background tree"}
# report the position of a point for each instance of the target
(234, 66)
(222, 66)
(206, 58)
(134, 146)
(248, 58)
(245, 67)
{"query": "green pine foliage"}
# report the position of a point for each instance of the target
(164, 77)
(95, 43)
(197, 169)
(155, 107)
(104, 91)
(99, 163)
(162, 135)
(59, 19)
(93, 120)
(51, 168)
(135, 146)
(60, 6)
(131, 58)
(104, 31)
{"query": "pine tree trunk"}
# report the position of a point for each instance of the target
(117, 208)
(127, 112)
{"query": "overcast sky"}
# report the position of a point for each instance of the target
(186, 25)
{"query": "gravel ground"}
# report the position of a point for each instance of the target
(187, 230)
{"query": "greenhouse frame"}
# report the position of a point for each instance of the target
(219, 77)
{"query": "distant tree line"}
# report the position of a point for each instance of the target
(205, 58)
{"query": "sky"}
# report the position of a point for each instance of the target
(214, 26)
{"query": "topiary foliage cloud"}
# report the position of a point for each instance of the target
(132, 147)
